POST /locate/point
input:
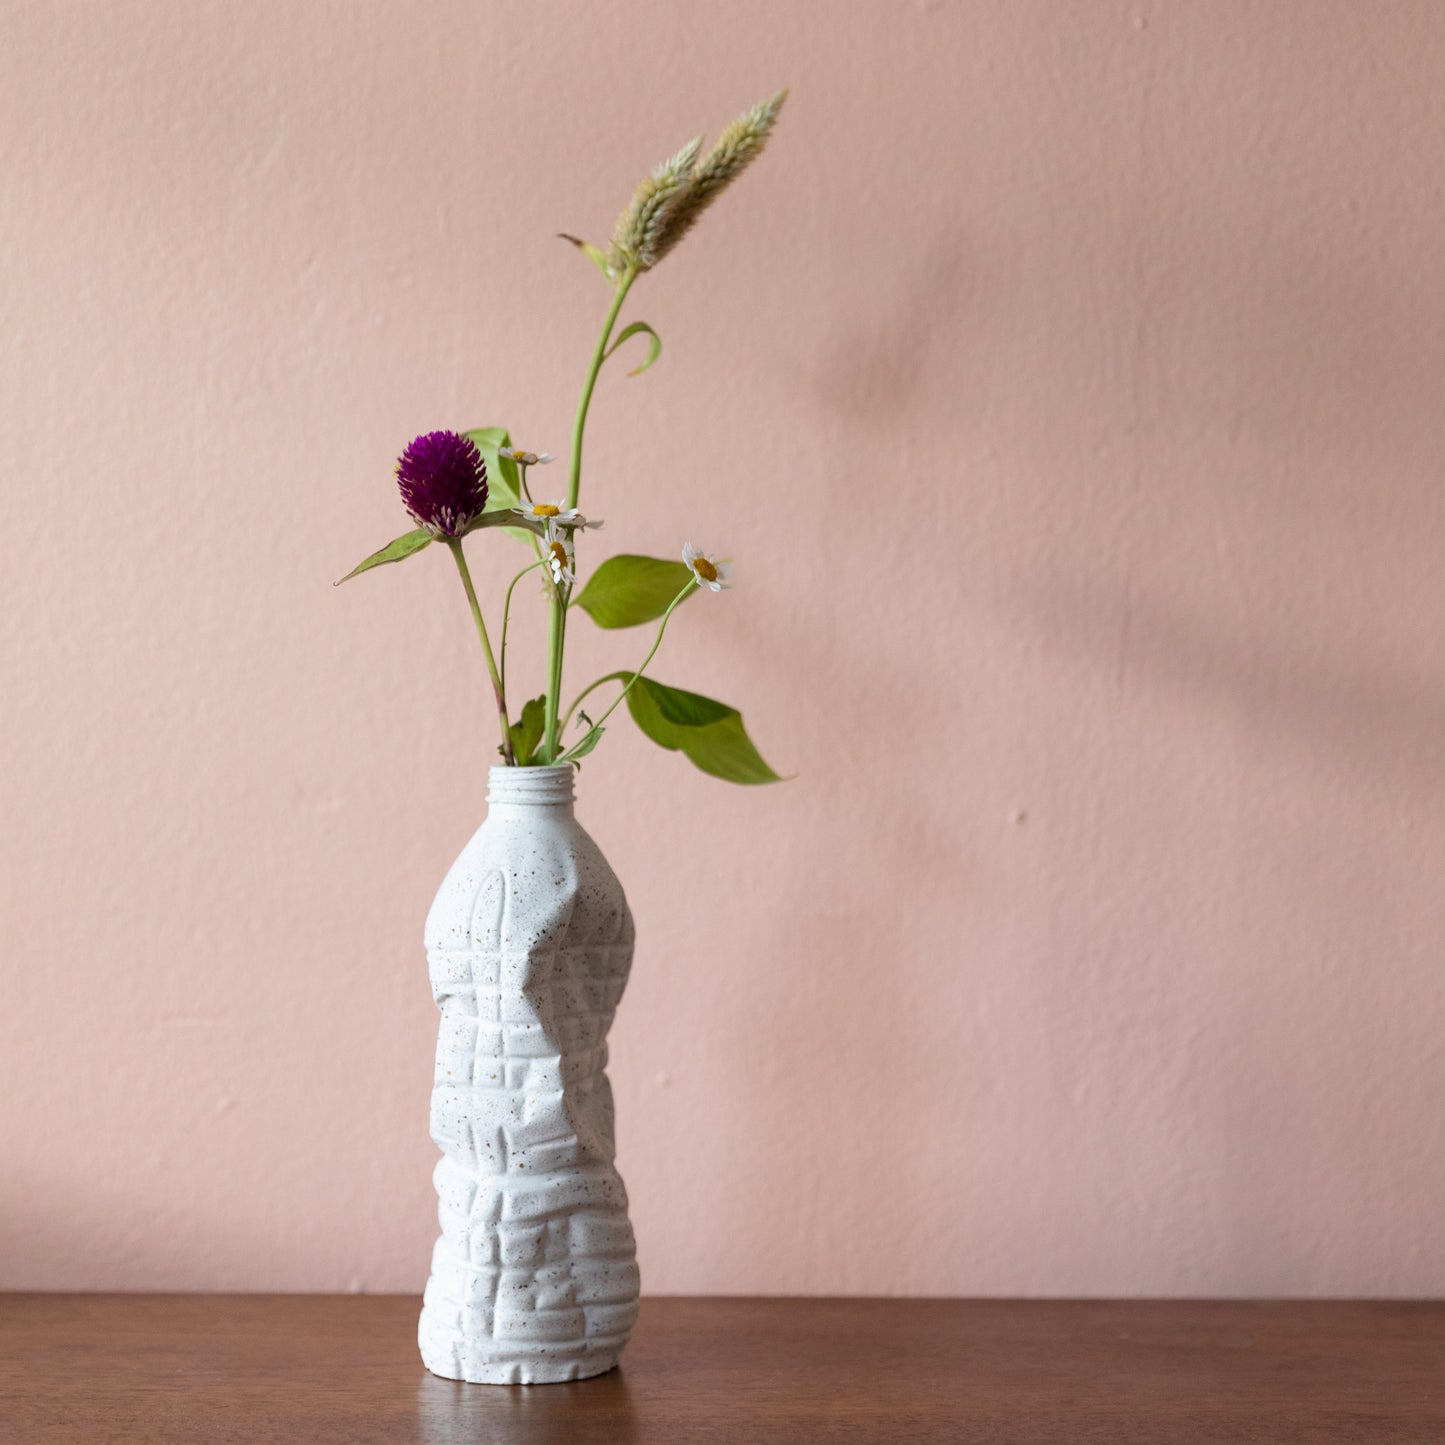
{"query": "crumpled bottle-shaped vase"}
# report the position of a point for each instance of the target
(529, 942)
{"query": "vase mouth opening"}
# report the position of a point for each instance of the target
(544, 786)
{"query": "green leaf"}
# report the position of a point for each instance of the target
(709, 734)
(590, 739)
(675, 711)
(392, 552)
(526, 732)
(725, 750)
(504, 481)
(598, 258)
(625, 591)
(504, 486)
(637, 328)
(507, 521)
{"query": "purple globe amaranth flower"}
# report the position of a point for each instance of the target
(443, 482)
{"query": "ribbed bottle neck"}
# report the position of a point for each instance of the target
(530, 787)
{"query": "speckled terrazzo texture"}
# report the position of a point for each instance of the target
(534, 1278)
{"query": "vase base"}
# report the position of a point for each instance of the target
(540, 1369)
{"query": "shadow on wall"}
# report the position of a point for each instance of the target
(868, 379)
(1287, 596)
(1276, 510)
(66, 1232)
(1383, 721)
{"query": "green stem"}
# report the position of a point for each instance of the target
(455, 545)
(656, 643)
(591, 687)
(574, 477)
(557, 627)
(507, 616)
(556, 640)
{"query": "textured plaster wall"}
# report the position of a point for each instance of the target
(1066, 383)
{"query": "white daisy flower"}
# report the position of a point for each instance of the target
(560, 556)
(525, 459)
(710, 573)
(554, 514)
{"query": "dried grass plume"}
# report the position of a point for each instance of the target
(641, 226)
(670, 200)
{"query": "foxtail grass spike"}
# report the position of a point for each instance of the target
(736, 149)
(641, 226)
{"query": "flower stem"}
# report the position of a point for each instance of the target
(574, 477)
(455, 545)
(557, 629)
(591, 687)
(506, 618)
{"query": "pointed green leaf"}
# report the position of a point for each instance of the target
(654, 347)
(598, 258)
(393, 552)
(628, 590)
(526, 732)
(590, 739)
(709, 734)
(725, 750)
(674, 710)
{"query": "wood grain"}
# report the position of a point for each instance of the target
(303, 1368)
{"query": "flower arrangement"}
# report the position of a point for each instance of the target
(454, 484)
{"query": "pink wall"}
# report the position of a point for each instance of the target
(1065, 382)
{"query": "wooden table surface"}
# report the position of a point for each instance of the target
(320, 1368)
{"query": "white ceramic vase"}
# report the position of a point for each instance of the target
(529, 943)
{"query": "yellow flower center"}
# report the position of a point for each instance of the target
(704, 569)
(558, 553)
(546, 509)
